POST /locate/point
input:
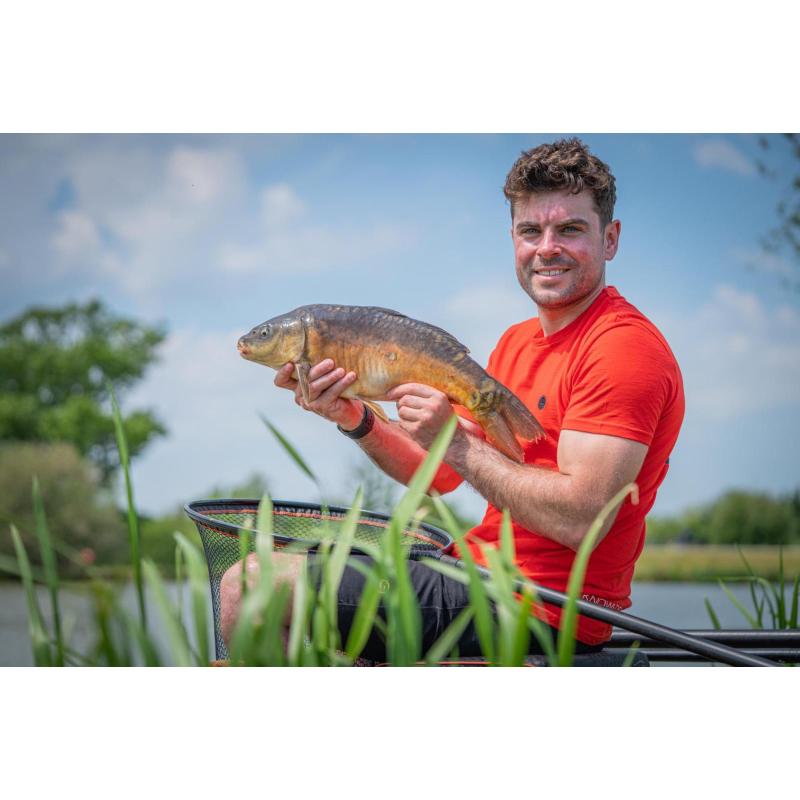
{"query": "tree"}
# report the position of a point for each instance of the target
(55, 364)
(785, 236)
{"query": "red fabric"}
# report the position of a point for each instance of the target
(609, 372)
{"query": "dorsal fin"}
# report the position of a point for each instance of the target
(441, 331)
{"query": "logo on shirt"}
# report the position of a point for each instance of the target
(542, 402)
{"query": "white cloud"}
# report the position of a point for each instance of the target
(151, 206)
(76, 235)
(721, 154)
(280, 205)
(287, 243)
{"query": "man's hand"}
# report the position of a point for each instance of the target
(326, 382)
(422, 411)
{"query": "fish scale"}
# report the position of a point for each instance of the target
(385, 349)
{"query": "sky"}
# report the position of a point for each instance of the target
(210, 235)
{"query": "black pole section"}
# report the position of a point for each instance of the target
(661, 653)
(785, 639)
(711, 650)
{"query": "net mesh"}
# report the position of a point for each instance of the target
(222, 522)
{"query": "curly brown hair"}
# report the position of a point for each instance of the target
(565, 164)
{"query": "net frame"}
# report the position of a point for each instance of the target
(221, 522)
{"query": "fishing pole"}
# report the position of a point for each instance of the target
(684, 641)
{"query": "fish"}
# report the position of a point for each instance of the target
(385, 349)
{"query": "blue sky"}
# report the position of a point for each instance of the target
(213, 234)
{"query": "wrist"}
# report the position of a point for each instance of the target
(362, 427)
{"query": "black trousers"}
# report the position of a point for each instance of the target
(440, 600)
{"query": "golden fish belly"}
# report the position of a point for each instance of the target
(379, 370)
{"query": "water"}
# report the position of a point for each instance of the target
(678, 605)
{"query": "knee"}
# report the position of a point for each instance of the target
(286, 567)
(230, 594)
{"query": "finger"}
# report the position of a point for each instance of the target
(317, 387)
(413, 401)
(334, 392)
(410, 414)
(418, 389)
(322, 368)
(283, 377)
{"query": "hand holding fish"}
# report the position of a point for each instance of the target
(422, 410)
(326, 382)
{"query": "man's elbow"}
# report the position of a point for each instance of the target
(575, 534)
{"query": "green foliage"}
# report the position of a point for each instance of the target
(781, 162)
(55, 364)
(737, 517)
(80, 515)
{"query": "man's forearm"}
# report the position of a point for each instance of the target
(399, 456)
(540, 500)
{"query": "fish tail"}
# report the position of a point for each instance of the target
(501, 435)
(518, 418)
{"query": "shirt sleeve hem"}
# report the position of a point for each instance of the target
(609, 429)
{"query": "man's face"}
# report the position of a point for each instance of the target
(560, 248)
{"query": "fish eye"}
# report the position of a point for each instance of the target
(265, 331)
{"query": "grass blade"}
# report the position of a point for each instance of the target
(198, 586)
(50, 568)
(291, 450)
(42, 656)
(299, 623)
(712, 614)
(133, 518)
(447, 642)
(745, 613)
(631, 655)
(566, 635)
(792, 623)
(478, 597)
(364, 618)
(179, 641)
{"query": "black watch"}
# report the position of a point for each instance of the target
(364, 427)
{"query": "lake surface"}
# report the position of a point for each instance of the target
(678, 605)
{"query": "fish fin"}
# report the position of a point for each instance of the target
(441, 331)
(519, 419)
(501, 435)
(302, 378)
(375, 408)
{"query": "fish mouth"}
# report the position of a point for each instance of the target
(243, 349)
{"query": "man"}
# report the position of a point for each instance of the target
(596, 373)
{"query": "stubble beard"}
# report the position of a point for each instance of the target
(576, 288)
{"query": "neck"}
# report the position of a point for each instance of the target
(553, 320)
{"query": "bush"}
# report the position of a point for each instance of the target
(737, 517)
(80, 515)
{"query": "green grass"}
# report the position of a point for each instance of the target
(313, 639)
(671, 562)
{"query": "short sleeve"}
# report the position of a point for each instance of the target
(621, 385)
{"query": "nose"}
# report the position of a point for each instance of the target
(549, 246)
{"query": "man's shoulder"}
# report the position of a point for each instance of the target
(623, 325)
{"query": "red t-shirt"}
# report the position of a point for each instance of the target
(610, 372)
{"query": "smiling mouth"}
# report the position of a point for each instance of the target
(550, 273)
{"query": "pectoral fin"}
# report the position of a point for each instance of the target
(375, 408)
(302, 379)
